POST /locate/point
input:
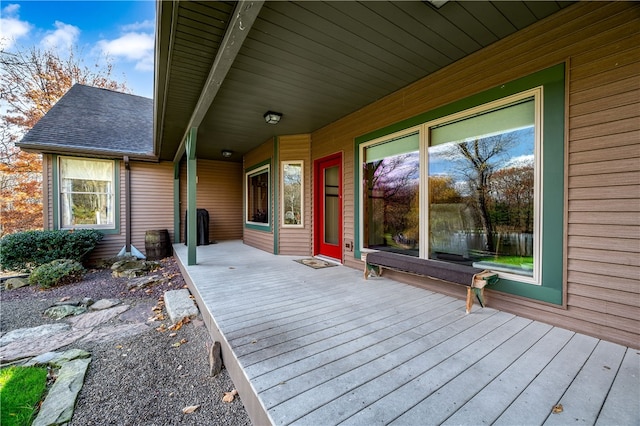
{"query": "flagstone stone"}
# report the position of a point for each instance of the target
(118, 331)
(57, 407)
(34, 346)
(104, 304)
(139, 313)
(57, 358)
(93, 319)
(33, 332)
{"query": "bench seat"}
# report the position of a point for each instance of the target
(474, 278)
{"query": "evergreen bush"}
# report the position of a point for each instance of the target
(57, 272)
(24, 251)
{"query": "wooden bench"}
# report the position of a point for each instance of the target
(474, 278)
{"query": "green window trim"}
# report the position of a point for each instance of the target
(56, 194)
(266, 164)
(551, 79)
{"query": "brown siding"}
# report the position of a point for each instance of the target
(219, 191)
(599, 42)
(296, 241)
(151, 200)
(260, 239)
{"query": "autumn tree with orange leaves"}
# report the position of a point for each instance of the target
(31, 82)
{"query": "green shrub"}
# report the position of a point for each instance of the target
(24, 251)
(57, 272)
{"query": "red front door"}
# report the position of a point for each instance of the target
(328, 206)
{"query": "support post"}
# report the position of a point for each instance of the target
(191, 197)
(176, 202)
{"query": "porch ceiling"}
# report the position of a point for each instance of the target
(315, 62)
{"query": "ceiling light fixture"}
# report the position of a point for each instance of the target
(226, 153)
(272, 117)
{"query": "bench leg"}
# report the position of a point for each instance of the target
(367, 270)
(469, 299)
(481, 298)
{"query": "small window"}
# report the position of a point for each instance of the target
(258, 192)
(87, 197)
(292, 193)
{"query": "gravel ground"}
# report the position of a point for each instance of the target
(139, 380)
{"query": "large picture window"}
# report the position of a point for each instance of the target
(258, 193)
(464, 188)
(488, 190)
(87, 197)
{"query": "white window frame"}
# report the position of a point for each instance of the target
(112, 195)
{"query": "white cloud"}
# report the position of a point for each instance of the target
(63, 37)
(132, 46)
(11, 27)
(147, 24)
(520, 161)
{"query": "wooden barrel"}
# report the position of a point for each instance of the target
(157, 244)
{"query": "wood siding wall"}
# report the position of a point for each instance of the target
(296, 241)
(599, 42)
(151, 200)
(262, 240)
(219, 191)
(151, 205)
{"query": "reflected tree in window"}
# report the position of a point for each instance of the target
(477, 161)
(494, 179)
(292, 193)
(391, 203)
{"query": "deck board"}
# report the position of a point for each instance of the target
(326, 347)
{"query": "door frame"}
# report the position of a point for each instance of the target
(319, 165)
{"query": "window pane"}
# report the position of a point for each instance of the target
(481, 193)
(391, 196)
(292, 193)
(86, 193)
(331, 205)
(258, 197)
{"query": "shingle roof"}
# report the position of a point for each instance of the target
(89, 120)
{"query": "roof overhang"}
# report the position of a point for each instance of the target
(221, 65)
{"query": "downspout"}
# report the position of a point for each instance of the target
(128, 249)
(127, 202)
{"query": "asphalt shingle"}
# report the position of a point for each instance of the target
(93, 120)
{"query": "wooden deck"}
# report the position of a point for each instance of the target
(323, 347)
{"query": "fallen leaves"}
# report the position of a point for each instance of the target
(190, 409)
(177, 326)
(229, 396)
(180, 343)
(557, 409)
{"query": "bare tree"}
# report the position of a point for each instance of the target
(477, 161)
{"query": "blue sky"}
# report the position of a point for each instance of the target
(123, 30)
